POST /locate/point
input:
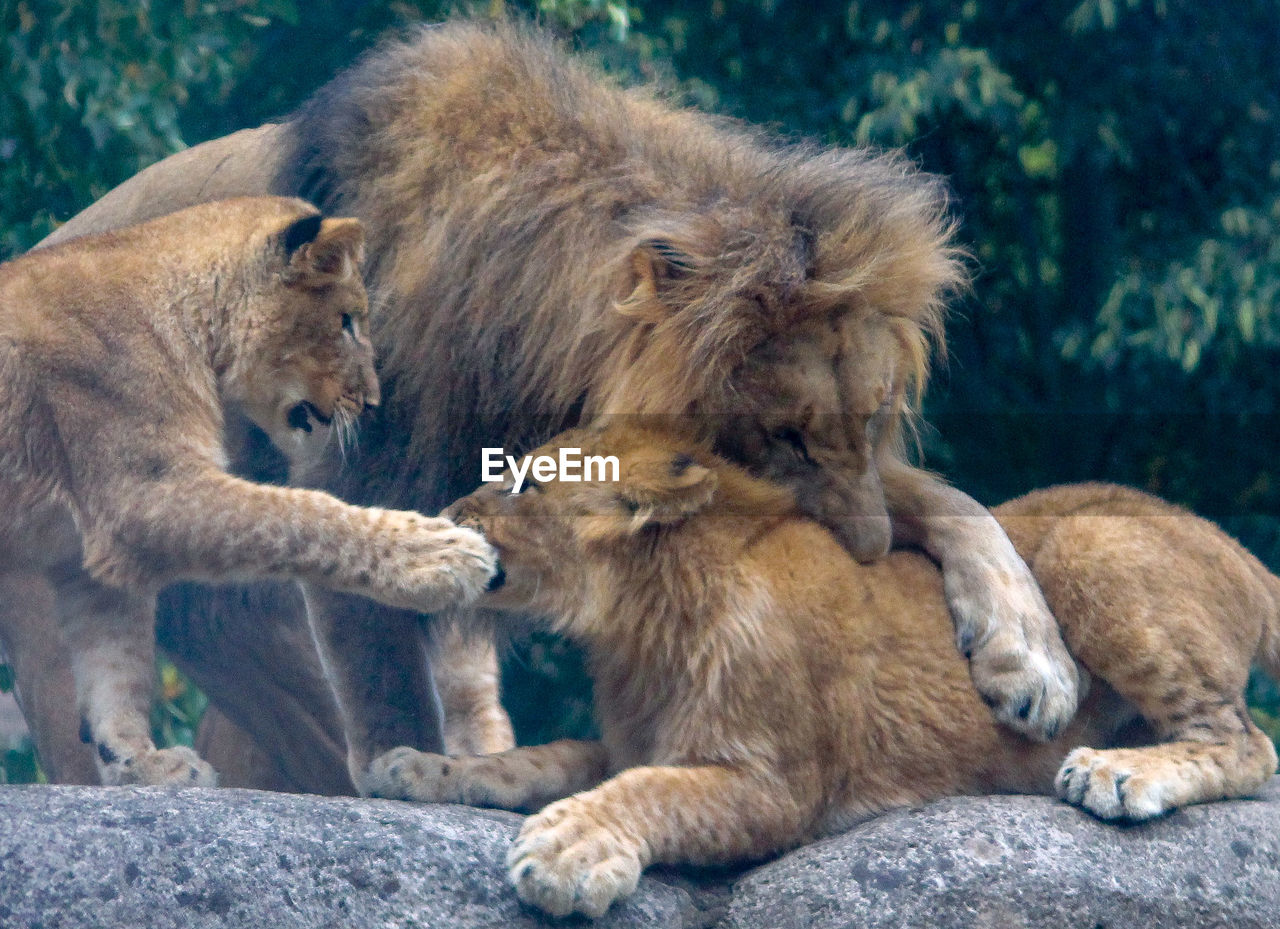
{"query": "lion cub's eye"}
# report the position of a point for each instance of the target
(349, 325)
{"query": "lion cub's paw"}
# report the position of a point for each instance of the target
(1017, 659)
(438, 564)
(179, 767)
(1116, 783)
(564, 862)
(408, 774)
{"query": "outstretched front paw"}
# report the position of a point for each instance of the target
(1017, 658)
(436, 564)
(408, 774)
(565, 861)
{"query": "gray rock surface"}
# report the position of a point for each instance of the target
(158, 858)
(1022, 862)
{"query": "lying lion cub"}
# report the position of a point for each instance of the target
(119, 354)
(757, 688)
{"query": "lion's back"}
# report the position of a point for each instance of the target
(243, 164)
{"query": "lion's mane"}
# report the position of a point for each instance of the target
(503, 237)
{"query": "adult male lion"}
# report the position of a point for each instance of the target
(547, 249)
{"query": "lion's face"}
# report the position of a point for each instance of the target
(312, 373)
(801, 380)
(824, 406)
(554, 534)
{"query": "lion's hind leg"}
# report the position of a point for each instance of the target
(1167, 611)
(1216, 756)
(43, 680)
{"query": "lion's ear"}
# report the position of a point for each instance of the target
(657, 265)
(323, 251)
(299, 233)
(665, 489)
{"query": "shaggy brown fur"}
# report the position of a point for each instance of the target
(118, 356)
(756, 688)
(548, 249)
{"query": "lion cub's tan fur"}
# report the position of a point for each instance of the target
(756, 687)
(118, 357)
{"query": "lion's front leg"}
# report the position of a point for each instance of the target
(374, 659)
(464, 663)
(1016, 655)
(586, 851)
(212, 526)
(250, 649)
(519, 779)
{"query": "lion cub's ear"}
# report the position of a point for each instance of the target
(665, 489)
(320, 251)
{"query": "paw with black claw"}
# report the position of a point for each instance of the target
(566, 862)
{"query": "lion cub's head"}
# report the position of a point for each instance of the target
(305, 369)
(619, 499)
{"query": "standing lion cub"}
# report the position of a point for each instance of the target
(757, 688)
(119, 355)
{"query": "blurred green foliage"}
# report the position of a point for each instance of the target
(18, 763)
(1115, 167)
(546, 691)
(178, 707)
(90, 93)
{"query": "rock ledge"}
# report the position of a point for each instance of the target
(111, 857)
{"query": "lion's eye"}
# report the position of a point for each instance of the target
(349, 325)
(792, 437)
